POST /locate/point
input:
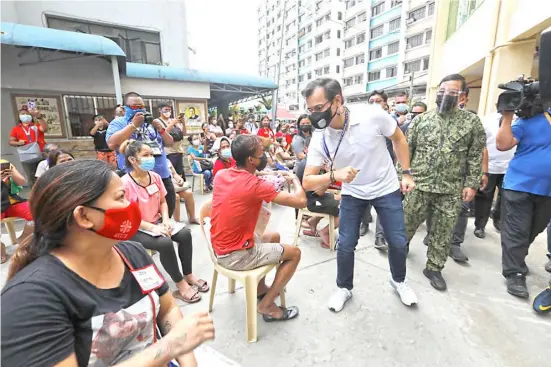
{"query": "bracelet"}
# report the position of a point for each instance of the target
(162, 131)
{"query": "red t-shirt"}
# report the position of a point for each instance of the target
(236, 202)
(266, 132)
(288, 138)
(20, 133)
(221, 164)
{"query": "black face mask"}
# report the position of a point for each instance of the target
(446, 103)
(306, 128)
(320, 120)
(263, 162)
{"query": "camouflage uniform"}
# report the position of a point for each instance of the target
(446, 156)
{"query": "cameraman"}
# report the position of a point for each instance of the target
(526, 192)
(133, 125)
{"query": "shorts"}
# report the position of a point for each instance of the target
(325, 204)
(19, 210)
(108, 157)
(259, 255)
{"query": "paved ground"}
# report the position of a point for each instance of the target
(474, 323)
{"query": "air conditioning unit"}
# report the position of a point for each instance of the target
(410, 21)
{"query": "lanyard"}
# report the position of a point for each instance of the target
(28, 132)
(324, 143)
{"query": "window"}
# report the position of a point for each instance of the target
(359, 79)
(326, 53)
(328, 16)
(81, 114)
(378, 9)
(360, 38)
(339, 15)
(309, 28)
(318, 72)
(412, 66)
(338, 69)
(301, 63)
(300, 78)
(394, 3)
(375, 54)
(348, 81)
(414, 41)
(394, 25)
(349, 43)
(348, 62)
(374, 75)
(362, 17)
(350, 23)
(309, 60)
(393, 48)
(278, 28)
(142, 47)
(309, 76)
(319, 56)
(377, 32)
(319, 39)
(301, 49)
(430, 9)
(326, 70)
(338, 34)
(319, 22)
(391, 72)
(360, 59)
(428, 36)
(327, 35)
(338, 51)
(309, 44)
(426, 63)
(350, 3)
(417, 14)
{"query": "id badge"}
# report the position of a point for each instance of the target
(152, 189)
(155, 147)
(148, 278)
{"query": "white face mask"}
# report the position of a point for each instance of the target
(25, 118)
(230, 125)
(196, 142)
(167, 114)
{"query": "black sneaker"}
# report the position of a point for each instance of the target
(516, 285)
(497, 226)
(380, 243)
(458, 255)
(364, 228)
(479, 232)
(436, 279)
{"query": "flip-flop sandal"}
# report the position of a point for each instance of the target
(201, 285)
(195, 296)
(196, 222)
(311, 233)
(286, 314)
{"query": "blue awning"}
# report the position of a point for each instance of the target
(146, 71)
(54, 39)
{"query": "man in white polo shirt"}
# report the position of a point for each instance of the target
(353, 147)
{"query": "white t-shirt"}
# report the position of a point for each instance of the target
(363, 147)
(41, 168)
(497, 161)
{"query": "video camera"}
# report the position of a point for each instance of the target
(526, 96)
(148, 118)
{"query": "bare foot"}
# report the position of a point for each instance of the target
(272, 310)
(194, 221)
(324, 236)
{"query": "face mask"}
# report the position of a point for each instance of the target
(25, 118)
(446, 103)
(129, 113)
(196, 142)
(306, 128)
(121, 223)
(147, 163)
(402, 108)
(225, 153)
(461, 106)
(263, 162)
(167, 114)
(320, 120)
(230, 125)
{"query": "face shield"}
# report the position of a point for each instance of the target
(447, 100)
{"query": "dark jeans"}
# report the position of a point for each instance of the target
(524, 216)
(170, 195)
(167, 254)
(177, 160)
(483, 201)
(390, 211)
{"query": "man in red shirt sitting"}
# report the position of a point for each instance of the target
(236, 203)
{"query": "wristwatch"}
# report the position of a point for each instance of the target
(407, 172)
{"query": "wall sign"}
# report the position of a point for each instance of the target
(49, 106)
(195, 115)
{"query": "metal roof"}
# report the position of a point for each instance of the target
(134, 70)
(54, 39)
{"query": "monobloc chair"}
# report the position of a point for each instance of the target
(198, 175)
(249, 278)
(303, 212)
(8, 222)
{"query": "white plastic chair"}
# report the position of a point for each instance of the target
(303, 212)
(198, 175)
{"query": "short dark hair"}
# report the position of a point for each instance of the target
(98, 115)
(381, 93)
(401, 94)
(455, 77)
(243, 147)
(420, 104)
(164, 104)
(331, 88)
(130, 94)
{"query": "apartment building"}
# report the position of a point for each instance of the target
(366, 44)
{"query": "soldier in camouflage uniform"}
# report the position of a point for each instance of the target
(445, 146)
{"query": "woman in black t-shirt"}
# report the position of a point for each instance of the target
(74, 296)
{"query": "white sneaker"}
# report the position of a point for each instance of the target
(338, 299)
(407, 295)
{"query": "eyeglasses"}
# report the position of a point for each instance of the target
(137, 107)
(317, 108)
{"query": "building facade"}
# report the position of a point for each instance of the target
(487, 41)
(366, 45)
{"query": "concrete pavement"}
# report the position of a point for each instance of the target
(474, 323)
